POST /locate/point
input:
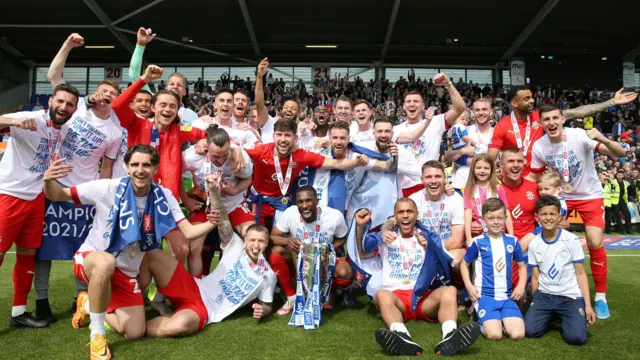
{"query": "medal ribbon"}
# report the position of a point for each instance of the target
(565, 159)
(516, 133)
(53, 153)
(284, 184)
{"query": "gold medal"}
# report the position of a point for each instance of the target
(406, 281)
(284, 200)
(567, 188)
(132, 254)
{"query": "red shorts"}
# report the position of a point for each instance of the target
(591, 211)
(184, 293)
(412, 190)
(21, 222)
(125, 290)
(405, 296)
(239, 215)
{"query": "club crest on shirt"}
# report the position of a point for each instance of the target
(564, 253)
(535, 124)
(510, 248)
(530, 195)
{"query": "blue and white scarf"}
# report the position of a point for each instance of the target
(434, 273)
(337, 187)
(125, 227)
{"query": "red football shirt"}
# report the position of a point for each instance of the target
(265, 180)
(522, 206)
(503, 136)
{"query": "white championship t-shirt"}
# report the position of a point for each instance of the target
(102, 194)
(244, 138)
(197, 164)
(266, 131)
(27, 156)
(556, 260)
(583, 177)
(481, 142)
(332, 225)
(361, 137)
(428, 146)
(439, 216)
(401, 263)
(86, 139)
(308, 141)
(235, 282)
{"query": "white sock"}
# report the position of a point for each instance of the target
(97, 323)
(159, 298)
(448, 326)
(86, 307)
(18, 310)
(601, 296)
(399, 327)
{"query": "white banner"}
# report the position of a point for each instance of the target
(628, 74)
(113, 73)
(517, 72)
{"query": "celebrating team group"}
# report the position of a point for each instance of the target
(318, 209)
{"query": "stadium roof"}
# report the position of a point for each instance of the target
(463, 32)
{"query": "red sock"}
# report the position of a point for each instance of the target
(599, 268)
(279, 265)
(22, 278)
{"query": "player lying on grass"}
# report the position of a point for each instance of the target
(242, 276)
(132, 215)
(405, 267)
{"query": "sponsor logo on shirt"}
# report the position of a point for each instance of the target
(517, 211)
(553, 271)
(500, 265)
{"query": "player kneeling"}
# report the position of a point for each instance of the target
(492, 254)
(559, 282)
(402, 262)
(242, 275)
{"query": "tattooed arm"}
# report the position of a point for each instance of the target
(587, 110)
(225, 230)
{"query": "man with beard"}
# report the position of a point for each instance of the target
(35, 140)
(277, 164)
(379, 189)
(290, 108)
(481, 134)
(522, 127)
(427, 147)
(521, 195)
(91, 142)
(305, 224)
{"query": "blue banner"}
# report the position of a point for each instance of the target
(65, 228)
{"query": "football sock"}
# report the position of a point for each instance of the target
(97, 323)
(599, 268)
(399, 327)
(448, 326)
(22, 278)
(279, 265)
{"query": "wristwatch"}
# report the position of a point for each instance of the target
(89, 102)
